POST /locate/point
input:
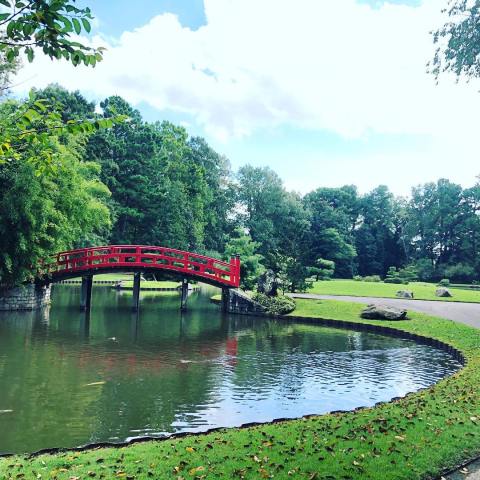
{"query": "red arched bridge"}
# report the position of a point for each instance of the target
(86, 262)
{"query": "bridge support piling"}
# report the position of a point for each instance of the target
(183, 304)
(136, 291)
(86, 293)
(225, 299)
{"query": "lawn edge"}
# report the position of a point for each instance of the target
(343, 324)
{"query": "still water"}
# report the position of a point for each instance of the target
(65, 382)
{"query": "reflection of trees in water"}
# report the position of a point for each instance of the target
(163, 367)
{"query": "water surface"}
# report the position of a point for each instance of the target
(66, 381)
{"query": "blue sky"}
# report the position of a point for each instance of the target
(326, 92)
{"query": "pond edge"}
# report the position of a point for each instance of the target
(343, 324)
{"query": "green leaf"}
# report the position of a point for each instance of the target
(11, 28)
(86, 25)
(30, 54)
(76, 26)
(5, 2)
(4, 16)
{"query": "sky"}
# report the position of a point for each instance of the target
(325, 92)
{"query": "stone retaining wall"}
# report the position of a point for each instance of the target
(236, 301)
(25, 297)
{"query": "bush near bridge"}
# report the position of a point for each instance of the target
(417, 437)
(279, 305)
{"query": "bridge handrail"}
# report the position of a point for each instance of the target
(82, 259)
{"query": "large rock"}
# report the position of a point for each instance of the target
(267, 283)
(383, 312)
(443, 292)
(404, 294)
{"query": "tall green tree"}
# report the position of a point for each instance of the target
(42, 214)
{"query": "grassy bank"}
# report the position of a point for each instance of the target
(151, 284)
(413, 438)
(421, 291)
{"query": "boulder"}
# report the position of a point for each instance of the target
(267, 283)
(383, 312)
(443, 292)
(404, 294)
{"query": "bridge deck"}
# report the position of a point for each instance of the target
(85, 261)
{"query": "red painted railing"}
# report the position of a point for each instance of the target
(118, 257)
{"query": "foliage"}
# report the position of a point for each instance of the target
(460, 272)
(43, 214)
(323, 269)
(26, 130)
(49, 26)
(292, 274)
(250, 266)
(444, 282)
(372, 279)
(402, 275)
(419, 436)
(279, 305)
(458, 40)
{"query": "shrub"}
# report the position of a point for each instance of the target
(280, 305)
(358, 278)
(372, 278)
(396, 280)
(444, 282)
(460, 272)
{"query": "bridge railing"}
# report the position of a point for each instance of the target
(142, 256)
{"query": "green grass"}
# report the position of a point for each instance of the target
(151, 284)
(413, 438)
(109, 276)
(421, 291)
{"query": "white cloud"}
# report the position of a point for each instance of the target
(320, 64)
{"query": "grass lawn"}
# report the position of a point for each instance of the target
(151, 284)
(421, 291)
(109, 276)
(413, 438)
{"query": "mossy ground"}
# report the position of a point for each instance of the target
(421, 291)
(413, 438)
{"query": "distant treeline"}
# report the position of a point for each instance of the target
(150, 183)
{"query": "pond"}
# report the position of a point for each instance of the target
(66, 381)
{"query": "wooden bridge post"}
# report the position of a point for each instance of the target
(225, 298)
(183, 304)
(86, 293)
(136, 291)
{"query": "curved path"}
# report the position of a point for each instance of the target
(467, 313)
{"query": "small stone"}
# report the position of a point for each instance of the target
(383, 312)
(404, 294)
(443, 292)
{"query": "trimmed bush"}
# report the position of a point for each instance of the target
(372, 278)
(444, 282)
(279, 305)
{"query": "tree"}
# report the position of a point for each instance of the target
(47, 25)
(333, 214)
(43, 214)
(458, 40)
(250, 260)
(323, 269)
(378, 236)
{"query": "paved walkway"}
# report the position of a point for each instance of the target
(468, 313)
